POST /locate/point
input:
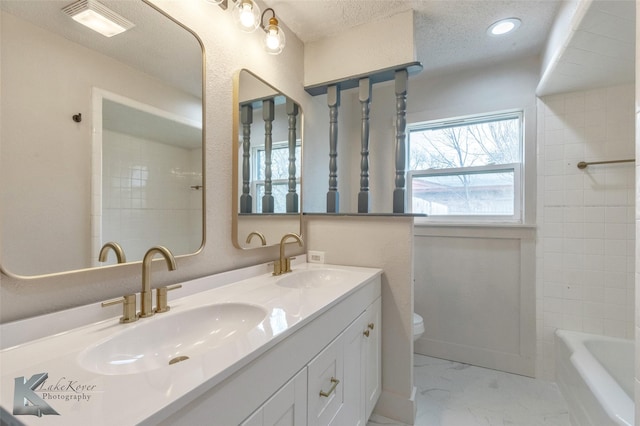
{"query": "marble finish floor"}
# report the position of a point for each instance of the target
(455, 394)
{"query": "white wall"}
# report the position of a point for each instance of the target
(637, 216)
(586, 238)
(475, 290)
(386, 243)
(360, 50)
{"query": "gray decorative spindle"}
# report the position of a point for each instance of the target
(401, 78)
(365, 102)
(333, 100)
(268, 114)
(246, 117)
(292, 195)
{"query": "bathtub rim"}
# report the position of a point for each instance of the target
(609, 393)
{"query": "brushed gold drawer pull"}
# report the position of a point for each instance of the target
(333, 387)
(371, 325)
(366, 333)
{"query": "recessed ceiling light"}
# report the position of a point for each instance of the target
(98, 17)
(504, 26)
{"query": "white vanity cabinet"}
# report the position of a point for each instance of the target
(282, 386)
(288, 407)
(372, 357)
(338, 387)
(362, 367)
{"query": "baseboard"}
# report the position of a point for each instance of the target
(397, 407)
(522, 364)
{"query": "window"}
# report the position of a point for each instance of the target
(279, 175)
(467, 169)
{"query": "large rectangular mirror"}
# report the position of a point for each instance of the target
(267, 163)
(101, 137)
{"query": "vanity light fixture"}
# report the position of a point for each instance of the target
(247, 15)
(221, 3)
(274, 39)
(504, 26)
(98, 17)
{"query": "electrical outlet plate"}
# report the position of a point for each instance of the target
(315, 256)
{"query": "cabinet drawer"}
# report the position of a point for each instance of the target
(325, 398)
(287, 407)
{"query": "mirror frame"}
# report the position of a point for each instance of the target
(236, 145)
(5, 271)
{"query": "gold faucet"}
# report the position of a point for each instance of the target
(283, 265)
(260, 235)
(146, 308)
(102, 257)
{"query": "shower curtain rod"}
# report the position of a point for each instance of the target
(583, 164)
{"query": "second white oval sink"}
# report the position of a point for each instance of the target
(162, 340)
(313, 278)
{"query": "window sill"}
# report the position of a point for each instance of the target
(452, 224)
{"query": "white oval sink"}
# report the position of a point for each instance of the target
(314, 278)
(163, 340)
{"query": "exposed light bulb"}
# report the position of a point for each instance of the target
(274, 39)
(247, 14)
(273, 42)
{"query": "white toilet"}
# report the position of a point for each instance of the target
(418, 326)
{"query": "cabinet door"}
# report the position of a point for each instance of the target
(372, 357)
(325, 387)
(353, 413)
(287, 407)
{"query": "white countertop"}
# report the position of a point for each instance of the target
(83, 397)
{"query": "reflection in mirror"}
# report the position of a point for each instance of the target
(101, 138)
(268, 162)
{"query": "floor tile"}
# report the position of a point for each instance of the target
(455, 394)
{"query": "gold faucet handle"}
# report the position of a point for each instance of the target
(288, 263)
(277, 268)
(128, 307)
(161, 298)
(286, 267)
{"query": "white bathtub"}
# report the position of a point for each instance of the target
(596, 376)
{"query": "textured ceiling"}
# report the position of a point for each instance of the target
(449, 33)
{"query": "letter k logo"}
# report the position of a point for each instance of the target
(24, 394)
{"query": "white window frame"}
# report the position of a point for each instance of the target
(518, 193)
(254, 170)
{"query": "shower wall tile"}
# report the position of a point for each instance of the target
(586, 218)
(147, 187)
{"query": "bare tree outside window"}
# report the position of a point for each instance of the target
(279, 175)
(463, 168)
